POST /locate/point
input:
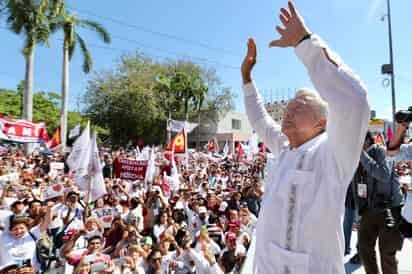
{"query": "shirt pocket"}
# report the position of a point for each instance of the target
(287, 261)
(300, 178)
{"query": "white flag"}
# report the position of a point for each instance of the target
(252, 146)
(225, 150)
(98, 188)
(74, 132)
(151, 168)
(78, 159)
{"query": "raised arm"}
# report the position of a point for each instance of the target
(346, 96)
(259, 118)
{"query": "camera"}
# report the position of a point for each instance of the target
(404, 115)
(390, 221)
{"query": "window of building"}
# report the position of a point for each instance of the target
(236, 124)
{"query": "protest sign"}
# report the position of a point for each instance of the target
(130, 169)
(56, 169)
(52, 191)
(22, 131)
(105, 216)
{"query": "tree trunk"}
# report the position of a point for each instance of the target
(65, 96)
(28, 93)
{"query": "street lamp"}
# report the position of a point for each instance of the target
(389, 68)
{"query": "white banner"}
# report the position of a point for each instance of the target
(176, 126)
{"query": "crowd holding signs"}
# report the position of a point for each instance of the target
(128, 211)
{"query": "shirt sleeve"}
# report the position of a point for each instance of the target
(346, 95)
(266, 128)
(35, 231)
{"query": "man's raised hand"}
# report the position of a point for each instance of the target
(293, 30)
(249, 61)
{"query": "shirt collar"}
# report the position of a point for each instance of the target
(309, 144)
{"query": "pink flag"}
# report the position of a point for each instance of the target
(390, 134)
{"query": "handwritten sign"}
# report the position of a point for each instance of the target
(131, 170)
(105, 215)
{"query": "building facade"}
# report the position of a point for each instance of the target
(229, 127)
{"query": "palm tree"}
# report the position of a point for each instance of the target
(30, 18)
(69, 23)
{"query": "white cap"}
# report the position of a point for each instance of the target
(223, 206)
(179, 205)
(202, 209)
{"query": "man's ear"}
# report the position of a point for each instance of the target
(321, 124)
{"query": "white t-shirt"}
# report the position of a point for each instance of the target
(22, 249)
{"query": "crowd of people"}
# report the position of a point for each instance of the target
(204, 224)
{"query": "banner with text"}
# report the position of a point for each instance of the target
(130, 169)
(22, 131)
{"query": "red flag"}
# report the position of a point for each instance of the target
(240, 151)
(56, 140)
(178, 142)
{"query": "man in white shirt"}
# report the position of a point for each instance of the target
(299, 230)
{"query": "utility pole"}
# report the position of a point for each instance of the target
(389, 68)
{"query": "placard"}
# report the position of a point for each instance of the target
(56, 169)
(131, 170)
(54, 190)
(105, 215)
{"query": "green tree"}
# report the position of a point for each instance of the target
(135, 99)
(45, 108)
(69, 23)
(30, 19)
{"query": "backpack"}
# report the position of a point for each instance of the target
(44, 251)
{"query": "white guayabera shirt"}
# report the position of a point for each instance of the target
(299, 230)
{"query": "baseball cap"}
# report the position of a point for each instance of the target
(202, 209)
(148, 240)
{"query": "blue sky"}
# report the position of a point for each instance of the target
(217, 30)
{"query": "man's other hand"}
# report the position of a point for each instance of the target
(249, 61)
(293, 30)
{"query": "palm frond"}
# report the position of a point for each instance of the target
(98, 28)
(87, 59)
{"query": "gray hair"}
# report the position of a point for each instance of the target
(313, 99)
